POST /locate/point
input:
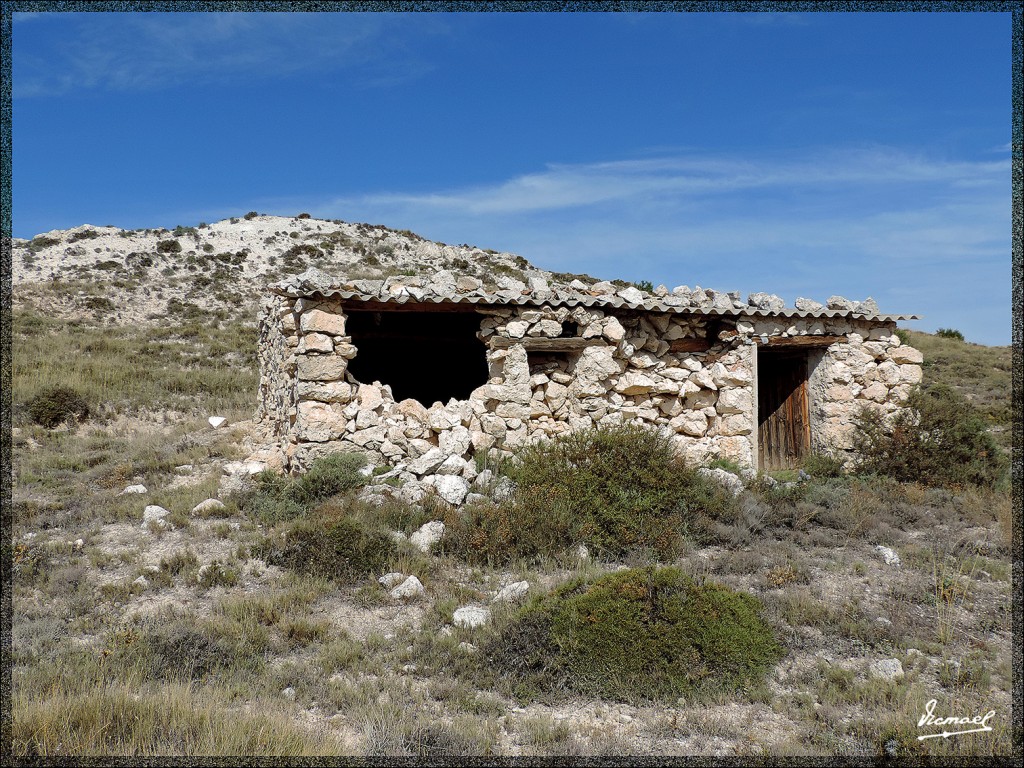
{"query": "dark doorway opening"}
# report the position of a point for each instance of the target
(426, 356)
(783, 426)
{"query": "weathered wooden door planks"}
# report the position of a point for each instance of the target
(783, 429)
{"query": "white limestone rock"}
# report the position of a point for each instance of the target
(408, 589)
(727, 479)
(391, 580)
(428, 535)
(888, 555)
(154, 514)
(886, 669)
(133, 489)
(208, 507)
(470, 617)
(512, 593)
(451, 488)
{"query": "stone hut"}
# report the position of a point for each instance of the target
(424, 373)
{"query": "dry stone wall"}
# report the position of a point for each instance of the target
(623, 369)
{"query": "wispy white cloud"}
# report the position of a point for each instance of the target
(917, 233)
(139, 51)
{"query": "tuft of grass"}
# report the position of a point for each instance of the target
(275, 499)
(176, 719)
(329, 544)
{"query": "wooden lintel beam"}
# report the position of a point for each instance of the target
(689, 345)
(801, 341)
(540, 344)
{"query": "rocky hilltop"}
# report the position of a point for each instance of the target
(219, 270)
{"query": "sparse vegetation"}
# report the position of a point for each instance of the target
(618, 491)
(229, 635)
(330, 544)
(649, 633)
(58, 405)
(938, 440)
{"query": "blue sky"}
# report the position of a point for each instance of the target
(799, 154)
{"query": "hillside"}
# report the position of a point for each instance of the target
(981, 374)
(150, 276)
(205, 634)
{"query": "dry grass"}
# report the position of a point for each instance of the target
(118, 720)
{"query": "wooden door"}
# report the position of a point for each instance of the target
(783, 429)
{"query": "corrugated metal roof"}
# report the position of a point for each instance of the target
(480, 298)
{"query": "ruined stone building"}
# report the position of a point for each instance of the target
(427, 372)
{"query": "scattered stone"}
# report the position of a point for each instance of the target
(727, 479)
(154, 514)
(208, 507)
(451, 488)
(887, 669)
(467, 647)
(79, 544)
(503, 490)
(512, 593)
(217, 421)
(289, 693)
(142, 581)
(427, 536)
(470, 617)
(244, 467)
(133, 489)
(408, 589)
(888, 555)
(389, 580)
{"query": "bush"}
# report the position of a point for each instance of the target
(330, 544)
(168, 246)
(821, 465)
(937, 439)
(275, 498)
(648, 633)
(58, 405)
(302, 216)
(250, 215)
(950, 333)
(620, 491)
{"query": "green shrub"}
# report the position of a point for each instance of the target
(645, 285)
(57, 405)
(168, 246)
(950, 333)
(937, 439)
(274, 498)
(38, 243)
(821, 465)
(330, 544)
(620, 490)
(302, 216)
(250, 215)
(648, 633)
